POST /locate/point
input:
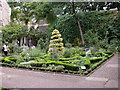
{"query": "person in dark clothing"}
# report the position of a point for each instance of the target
(5, 49)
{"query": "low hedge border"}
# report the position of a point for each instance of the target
(39, 68)
(67, 66)
(90, 70)
(96, 59)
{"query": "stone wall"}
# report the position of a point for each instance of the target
(5, 13)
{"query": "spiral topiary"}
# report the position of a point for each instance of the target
(56, 45)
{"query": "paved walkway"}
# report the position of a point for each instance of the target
(104, 77)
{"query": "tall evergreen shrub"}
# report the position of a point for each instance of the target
(56, 45)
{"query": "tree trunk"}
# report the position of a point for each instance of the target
(25, 38)
(21, 41)
(78, 22)
(81, 33)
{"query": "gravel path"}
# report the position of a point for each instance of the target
(104, 77)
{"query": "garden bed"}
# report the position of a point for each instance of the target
(79, 65)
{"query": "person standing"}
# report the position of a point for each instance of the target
(5, 49)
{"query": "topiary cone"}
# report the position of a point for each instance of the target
(56, 45)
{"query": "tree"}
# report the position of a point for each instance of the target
(13, 31)
(35, 35)
(45, 12)
(78, 22)
(71, 8)
(27, 11)
(22, 11)
(31, 12)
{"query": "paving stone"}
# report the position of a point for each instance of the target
(111, 84)
(108, 70)
(1, 74)
(96, 79)
(112, 65)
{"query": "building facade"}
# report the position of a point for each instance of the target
(5, 12)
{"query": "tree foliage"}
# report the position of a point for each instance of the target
(67, 9)
(27, 11)
(97, 27)
(13, 31)
(67, 26)
(35, 35)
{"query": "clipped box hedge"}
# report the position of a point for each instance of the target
(95, 59)
(65, 59)
(10, 58)
(67, 66)
(6, 61)
(108, 52)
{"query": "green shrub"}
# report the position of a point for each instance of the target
(95, 65)
(37, 64)
(10, 58)
(6, 60)
(27, 63)
(39, 59)
(77, 62)
(65, 59)
(66, 71)
(32, 53)
(55, 56)
(100, 54)
(108, 52)
(88, 71)
(43, 44)
(83, 53)
(7, 64)
(56, 45)
(13, 59)
(110, 55)
(74, 52)
(77, 50)
(59, 68)
(1, 58)
(87, 62)
(47, 58)
(77, 57)
(68, 53)
(21, 66)
(67, 66)
(15, 48)
(51, 67)
(20, 59)
(68, 45)
(96, 58)
(72, 58)
(35, 52)
(24, 52)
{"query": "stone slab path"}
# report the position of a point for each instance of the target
(104, 77)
